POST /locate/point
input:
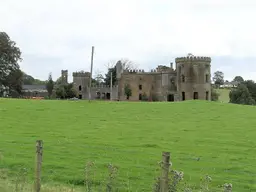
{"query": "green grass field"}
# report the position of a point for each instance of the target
(131, 136)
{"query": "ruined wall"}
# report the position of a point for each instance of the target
(156, 83)
(103, 89)
(135, 79)
(193, 76)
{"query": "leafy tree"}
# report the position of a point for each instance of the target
(241, 95)
(127, 91)
(251, 85)
(50, 85)
(10, 55)
(218, 78)
(15, 82)
(29, 80)
(66, 91)
(238, 79)
(107, 79)
(214, 94)
(58, 81)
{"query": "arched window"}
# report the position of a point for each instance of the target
(80, 87)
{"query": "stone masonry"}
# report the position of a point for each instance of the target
(191, 79)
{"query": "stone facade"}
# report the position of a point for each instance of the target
(191, 79)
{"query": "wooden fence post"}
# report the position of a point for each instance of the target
(164, 182)
(39, 155)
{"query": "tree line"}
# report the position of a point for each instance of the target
(242, 92)
(12, 78)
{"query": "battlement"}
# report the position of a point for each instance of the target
(103, 86)
(134, 71)
(81, 74)
(193, 59)
(152, 71)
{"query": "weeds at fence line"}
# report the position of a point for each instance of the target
(168, 180)
(88, 182)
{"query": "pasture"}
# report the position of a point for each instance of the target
(204, 138)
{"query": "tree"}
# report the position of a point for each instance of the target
(29, 80)
(218, 78)
(251, 86)
(238, 79)
(126, 65)
(241, 95)
(15, 82)
(50, 85)
(66, 91)
(214, 94)
(10, 55)
(127, 91)
(107, 79)
(98, 79)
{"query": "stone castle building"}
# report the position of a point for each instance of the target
(191, 79)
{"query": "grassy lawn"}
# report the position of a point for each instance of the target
(217, 139)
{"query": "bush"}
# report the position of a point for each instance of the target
(214, 95)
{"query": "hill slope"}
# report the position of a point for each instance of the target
(203, 138)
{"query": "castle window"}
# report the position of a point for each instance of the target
(207, 95)
(140, 97)
(80, 87)
(140, 87)
(195, 95)
(183, 78)
(207, 78)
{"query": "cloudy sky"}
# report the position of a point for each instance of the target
(58, 34)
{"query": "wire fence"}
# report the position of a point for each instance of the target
(105, 168)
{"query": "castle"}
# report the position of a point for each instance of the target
(191, 79)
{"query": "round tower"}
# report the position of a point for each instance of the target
(193, 77)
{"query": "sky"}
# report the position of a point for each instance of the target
(59, 34)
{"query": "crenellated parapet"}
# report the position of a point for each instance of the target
(193, 59)
(134, 71)
(104, 86)
(81, 74)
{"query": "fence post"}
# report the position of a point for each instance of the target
(39, 155)
(164, 182)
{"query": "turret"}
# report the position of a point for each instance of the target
(193, 77)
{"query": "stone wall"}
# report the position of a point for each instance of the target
(194, 77)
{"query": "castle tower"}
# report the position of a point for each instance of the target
(64, 77)
(193, 77)
(81, 83)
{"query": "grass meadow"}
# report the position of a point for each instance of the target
(204, 138)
